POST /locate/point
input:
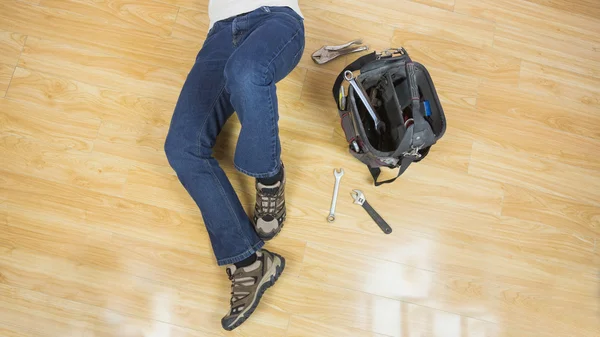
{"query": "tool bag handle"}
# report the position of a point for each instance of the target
(376, 171)
(422, 135)
(405, 163)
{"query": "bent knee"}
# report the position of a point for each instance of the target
(173, 150)
(182, 153)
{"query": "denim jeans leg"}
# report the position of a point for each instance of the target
(268, 51)
(202, 109)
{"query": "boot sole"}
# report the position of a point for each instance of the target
(268, 284)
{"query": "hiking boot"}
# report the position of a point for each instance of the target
(248, 285)
(269, 212)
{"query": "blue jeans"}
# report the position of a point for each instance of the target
(236, 70)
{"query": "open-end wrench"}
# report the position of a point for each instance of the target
(338, 177)
(362, 94)
(359, 199)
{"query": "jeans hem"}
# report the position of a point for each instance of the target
(242, 256)
(259, 175)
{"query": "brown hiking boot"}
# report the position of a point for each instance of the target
(269, 211)
(248, 285)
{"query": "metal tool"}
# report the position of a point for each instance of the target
(390, 52)
(362, 94)
(342, 98)
(338, 177)
(328, 53)
(359, 199)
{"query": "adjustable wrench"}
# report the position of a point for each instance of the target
(349, 76)
(338, 177)
(359, 199)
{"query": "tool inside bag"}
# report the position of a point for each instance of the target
(398, 96)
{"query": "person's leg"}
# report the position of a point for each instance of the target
(270, 45)
(202, 109)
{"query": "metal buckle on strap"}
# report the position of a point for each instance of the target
(391, 52)
(413, 152)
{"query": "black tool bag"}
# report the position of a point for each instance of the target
(403, 96)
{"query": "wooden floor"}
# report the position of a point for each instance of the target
(495, 233)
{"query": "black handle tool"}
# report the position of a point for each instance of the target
(359, 199)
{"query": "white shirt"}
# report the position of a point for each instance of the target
(223, 9)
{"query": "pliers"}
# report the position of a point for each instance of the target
(328, 53)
